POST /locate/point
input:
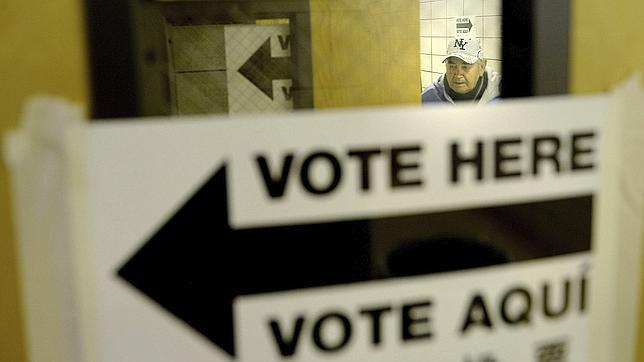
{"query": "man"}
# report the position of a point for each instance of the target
(465, 79)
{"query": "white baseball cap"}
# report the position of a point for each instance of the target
(467, 49)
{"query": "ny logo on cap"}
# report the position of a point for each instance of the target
(460, 43)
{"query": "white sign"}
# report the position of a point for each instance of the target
(329, 167)
(266, 238)
(411, 160)
(523, 312)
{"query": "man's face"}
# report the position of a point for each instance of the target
(462, 77)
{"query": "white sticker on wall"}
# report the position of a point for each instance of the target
(464, 27)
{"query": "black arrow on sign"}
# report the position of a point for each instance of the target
(196, 264)
(261, 68)
(467, 25)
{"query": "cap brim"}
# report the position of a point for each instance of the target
(464, 57)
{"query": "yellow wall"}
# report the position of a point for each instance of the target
(606, 44)
(42, 51)
(606, 47)
(365, 52)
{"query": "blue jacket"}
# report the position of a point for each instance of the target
(436, 93)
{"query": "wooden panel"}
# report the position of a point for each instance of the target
(365, 52)
(606, 44)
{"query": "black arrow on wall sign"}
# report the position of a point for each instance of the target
(467, 25)
(261, 68)
(195, 265)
